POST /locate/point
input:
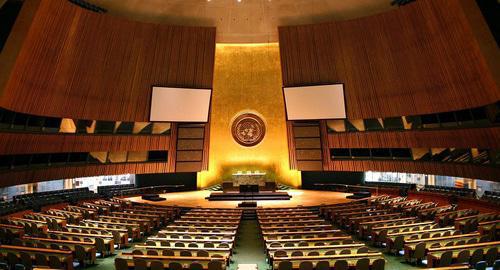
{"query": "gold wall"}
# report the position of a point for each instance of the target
(247, 78)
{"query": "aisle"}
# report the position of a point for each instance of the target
(248, 246)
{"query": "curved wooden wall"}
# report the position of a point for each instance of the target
(11, 178)
(84, 65)
(65, 61)
(458, 138)
(424, 57)
(436, 168)
(26, 143)
(421, 58)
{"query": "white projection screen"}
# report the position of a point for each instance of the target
(180, 104)
(315, 102)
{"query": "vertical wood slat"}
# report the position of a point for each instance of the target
(83, 65)
(206, 147)
(291, 146)
(420, 58)
(172, 148)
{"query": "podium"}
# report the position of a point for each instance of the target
(248, 181)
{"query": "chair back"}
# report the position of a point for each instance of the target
(341, 265)
(41, 259)
(195, 266)
(152, 252)
(363, 264)
(121, 264)
(491, 256)
(214, 265)
(202, 253)
(54, 262)
(26, 260)
(280, 253)
(306, 265)
(156, 265)
(378, 264)
(137, 252)
(463, 256)
(174, 266)
(285, 265)
(446, 258)
(12, 258)
(323, 265)
(476, 256)
(140, 264)
(167, 252)
(363, 250)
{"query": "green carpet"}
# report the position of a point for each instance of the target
(249, 247)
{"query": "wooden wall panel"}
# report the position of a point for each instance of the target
(24, 143)
(436, 168)
(420, 58)
(191, 149)
(83, 65)
(30, 176)
(457, 138)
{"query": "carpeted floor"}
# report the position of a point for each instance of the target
(249, 246)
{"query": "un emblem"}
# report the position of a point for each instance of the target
(248, 129)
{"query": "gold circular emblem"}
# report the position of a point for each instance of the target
(248, 129)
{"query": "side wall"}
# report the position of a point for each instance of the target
(67, 62)
(424, 57)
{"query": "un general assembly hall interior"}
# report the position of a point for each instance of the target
(249, 134)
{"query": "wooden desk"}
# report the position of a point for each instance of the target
(433, 253)
(309, 240)
(205, 239)
(108, 239)
(273, 217)
(287, 227)
(199, 233)
(351, 259)
(308, 248)
(217, 250)
(410, 245)
(201, 227)
(65, 256)
(90, 248)
(303, 221)
(303, 232)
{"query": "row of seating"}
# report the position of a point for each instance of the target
(199, 239)
(60, 237)
(297, 238)
(450, 238)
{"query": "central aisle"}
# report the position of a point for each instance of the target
(249, 247)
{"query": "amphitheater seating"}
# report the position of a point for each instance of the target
(78, 233)
(306, 238)
(292, 243)
(199, 239)
(427, 238)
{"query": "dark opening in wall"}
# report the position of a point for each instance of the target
(157, 156)
(8, 15)
(160, 179)
(490, 10)
(313, 180)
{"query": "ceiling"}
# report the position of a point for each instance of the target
(244, 21)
